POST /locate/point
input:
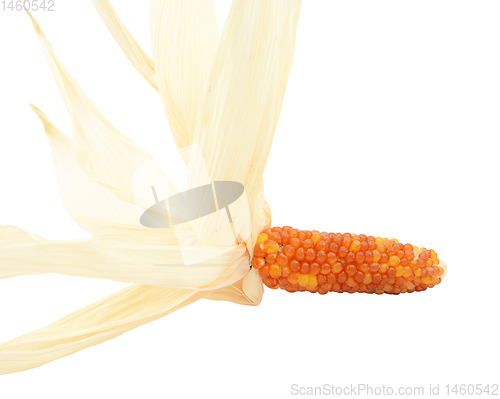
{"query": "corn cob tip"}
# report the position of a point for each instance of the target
(444, 265)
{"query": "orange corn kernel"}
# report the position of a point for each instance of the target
(270, 247)
(393, 261)
(262, 238)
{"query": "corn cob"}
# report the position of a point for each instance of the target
(299, 260)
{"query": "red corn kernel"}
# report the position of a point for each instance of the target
(257, 263)
(275, 236)
(334, 248)
(351, 270)
(285, 238)
(320, 257)
(383, 268)
(338, 239)
(304, 269)
(349, 257)
(295, 242)
(275, 270)
(331, 258)
(259, 250)
(338, 267)
(300, 254)
(264, 272)
(346, 241)
(271, 258)
(289, 251)
(293, 278)
(342, 252)
(360, 258)
(326, 268)
(283, 282)
(294, 266)
(384, 258)
(350, 282)
(310, 255)
(321, 246)
(281, 259)
(270, 282)
(314, 268)
(374, 267)
(306, 244)
(391, 251)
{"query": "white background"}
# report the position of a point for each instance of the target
(389, 127)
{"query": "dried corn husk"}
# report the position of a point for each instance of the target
(222, 98)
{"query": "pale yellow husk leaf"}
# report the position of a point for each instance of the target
(240, 106)
(127, 43)
(104, 153)
(244, 95)
(96, 208)
(103, 320)
(83, 198)
(163, 266)
(184, 37)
